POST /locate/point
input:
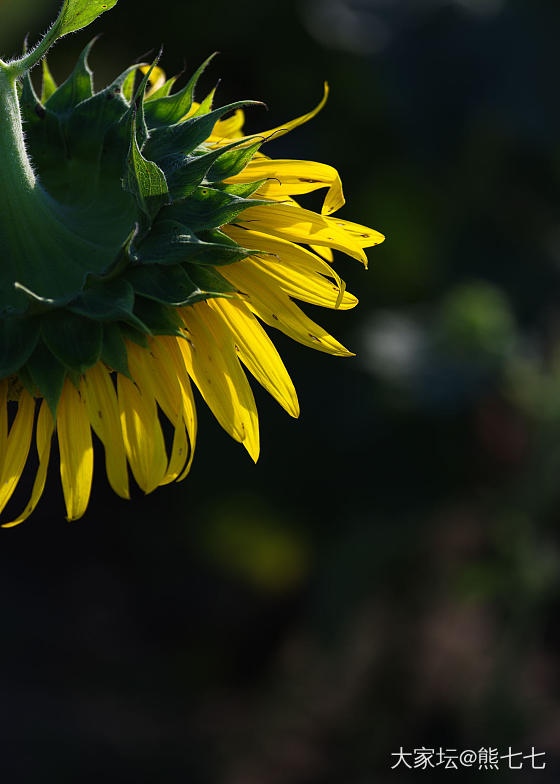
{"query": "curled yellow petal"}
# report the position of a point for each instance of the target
(277, 310)
(45, 429)
(312, 288)
(15, 447)
(299, 225)
(168, 349)
(280, 130)
(212, 363)
(291, 178)
(143, 439)
(164, 387)
(76, 450)
(257, 352)
(362, 235)
(299, 272)
(103, 412)
(230, 128)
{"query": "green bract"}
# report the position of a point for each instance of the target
(109, 213)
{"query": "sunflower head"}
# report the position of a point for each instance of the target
(144, 239)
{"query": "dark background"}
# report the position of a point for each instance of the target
(388, 574)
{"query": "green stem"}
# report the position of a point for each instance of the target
(16, 174)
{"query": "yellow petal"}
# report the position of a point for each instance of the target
(103, 412)
(362, 235)
(230, 128)
(164, 386)
(290, 178)
(326, 253)
(15, 447)
(143, 439)
(289, 253)
(179, 451)
(289, 126)
(277, 310)
(312, 288)
(211, 361)
(257, 352)
(299, 225)
(76, 450)
(167, 349)
(3, 420)
(157, 78)
(45, 429)
(299, 272)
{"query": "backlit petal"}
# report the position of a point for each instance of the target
(45, 430)
(76, 450)
(103, 412)
(143, 439)
(277, 310)
(212, 363)
(291, 178)
(257, 352)
(16, 447)
(299, 225)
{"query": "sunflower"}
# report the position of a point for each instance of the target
(146, 240)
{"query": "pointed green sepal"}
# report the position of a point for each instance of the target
(162, 319)
(137, 105)
(232, 162)
(137, 336)
(168, 285)
(184, 173)
(145, 180)
(75, 341)
(171, 242)
(31, 108)
(186, 136)
(49, 84)
(18, 338)
(164, 110)
(113, 350)
(161, 92)
(242, 189)
(210, 282)
(207, 208)
(77, 88)
(205, 105)
(47, 375)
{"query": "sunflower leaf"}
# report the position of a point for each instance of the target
(76, 14)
